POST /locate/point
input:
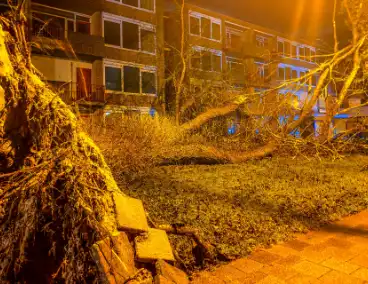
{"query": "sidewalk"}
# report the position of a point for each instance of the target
(336, 254)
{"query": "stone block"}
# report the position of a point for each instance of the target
(310, 269)
(171, 273)
(114, 264)
(153, 246)
(130, 214)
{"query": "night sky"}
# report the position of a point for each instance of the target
(308, 19)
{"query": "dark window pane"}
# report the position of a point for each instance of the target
(307, 54)
(131, 2)
(131, 79)
(287, 73)
(314, 80)
(301, 53)
(83, 27)
(130, 36)
(113, 78)
(266, 71)
(206, 27)
(194, 26)
(216, 32)
(281, 73)
(294, 55)
(206, 62)
(112, 33)
(235, 41)
(148, 41)
(287, 47)
(216, 63)
(148, 83)
(48, 26)
(70, 26)
(196, 60)
(294, 74)
(280, 47)
(313, 56)
(147, 4)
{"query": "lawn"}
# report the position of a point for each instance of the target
(238, 207)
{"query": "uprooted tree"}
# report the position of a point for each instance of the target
(55, 186)
(342, 75)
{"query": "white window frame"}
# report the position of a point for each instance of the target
(261, 40)
(141, 25)
(231, 31)
(75, 14)
(201, 49)
(142, 68)
(298, 69)
(232, 60)
(260, 69)
(212, 20)
(134, 7)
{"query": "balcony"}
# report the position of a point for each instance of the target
(54, 37)
(79, 93)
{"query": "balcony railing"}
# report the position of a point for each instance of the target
(73, 92)
(49, 31)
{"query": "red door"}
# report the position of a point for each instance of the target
(84, 83)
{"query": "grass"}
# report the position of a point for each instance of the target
(239, 207)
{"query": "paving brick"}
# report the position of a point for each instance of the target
(340, 254)
(130, 214)
(303, 279)
(339, 243)
(271, 280)
(254, 277)
(280, 271)
(296, 245)
(264, 257)
(171, 273)
(310, 269)
(246, 265)
(230, 274)
(289, 260)
(282, 250)
(361, 260)
(155, 245)
(361, 273)
(336, 277)
(314, 256)
(340, 266)
(206, 278)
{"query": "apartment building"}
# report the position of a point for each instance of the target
(223, 50)
(101, 54)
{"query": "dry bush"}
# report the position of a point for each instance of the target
(134, 143)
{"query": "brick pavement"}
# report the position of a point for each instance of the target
(337, 254)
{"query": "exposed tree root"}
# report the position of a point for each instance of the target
(55, 187)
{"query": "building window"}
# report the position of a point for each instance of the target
(262, 70)
(307, 54)
(313, 56)
(113, 78)
(294, 51)
(112, 33)
(234, 39)
(207, 60)
(142, 4)
(294, 74)
(261, 41)
(204, 26)
(148, 83)
(57, 27)
(128, 34)
(280, 47)
(281, 73)
(131, 79)
(195, 27)
(287, 48)
(302, 53)
(314, 80)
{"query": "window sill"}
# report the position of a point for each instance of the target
(138, 8)
(109, 92)
(211, 39)
(122, 48)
